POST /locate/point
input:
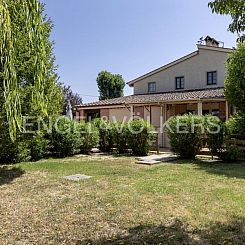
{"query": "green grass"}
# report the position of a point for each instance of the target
(124, 203)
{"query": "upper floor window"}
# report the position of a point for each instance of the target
(151, 87)
(212, 78)
(180, 82)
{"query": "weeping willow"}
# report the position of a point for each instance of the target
(11, 92)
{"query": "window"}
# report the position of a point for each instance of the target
(193, 112)
(180, 82)
(215, 113)
(212, 78)
(205, 112)
(152, 87)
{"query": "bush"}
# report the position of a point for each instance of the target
(26, 147)
(140, 136)
(236, 124)
(215, 133)
(186, 139)
(105, 134)
(120, 134)
(65, 137)
(38, 147)
(89, 137)
(231, 154)
(14, 152)
(21, 152)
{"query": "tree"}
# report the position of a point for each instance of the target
(28, 76)
(234, 8)
(110, 85)
(69, 95)
(235, 82)
(28, 80)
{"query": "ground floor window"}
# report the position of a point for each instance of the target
(92, 114)
(205, 112)
(215, 113)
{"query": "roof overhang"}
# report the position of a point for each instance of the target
(147, 103)
(132, 82)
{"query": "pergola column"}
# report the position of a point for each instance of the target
(132, 111)
(199, 108)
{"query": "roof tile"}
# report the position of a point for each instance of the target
(161, 97)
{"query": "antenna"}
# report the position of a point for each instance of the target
(201, 41)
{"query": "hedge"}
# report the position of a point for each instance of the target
(65, 138)
(120, 136)
(105, 134)
(89, 137)
(185, 136)
(140, 137)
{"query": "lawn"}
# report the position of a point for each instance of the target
(124, 203)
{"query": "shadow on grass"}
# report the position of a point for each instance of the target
(146, 235)
(8, 174)
(178, 233)
(230, 170)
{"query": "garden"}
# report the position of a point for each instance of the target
(183, 202)
(67, 137)
(186, 201)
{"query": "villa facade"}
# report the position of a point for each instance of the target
(191, 84)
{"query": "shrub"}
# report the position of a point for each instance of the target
(120, 134)
(185, 135)
(89, 136)
(14, 152)
(215, 132)
(236, 124)
(140, 136)
(38, 147)
(21, 152)
(65, 137)
(105, 134)
(231, 154)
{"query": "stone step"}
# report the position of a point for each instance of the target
(155, 159)
(148, 162)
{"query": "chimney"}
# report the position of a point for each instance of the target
(209, 41)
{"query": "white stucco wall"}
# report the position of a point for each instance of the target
(119, 114)
(155, 116)
(193, 69)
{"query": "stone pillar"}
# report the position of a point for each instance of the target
(77, 116)
(199, 108)
(132, 111)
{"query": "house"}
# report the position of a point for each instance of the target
(191, 84)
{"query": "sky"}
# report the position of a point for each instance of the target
(127, 37)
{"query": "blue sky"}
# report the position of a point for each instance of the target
(128, 37)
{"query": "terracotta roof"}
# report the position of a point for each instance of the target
(215, 93)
